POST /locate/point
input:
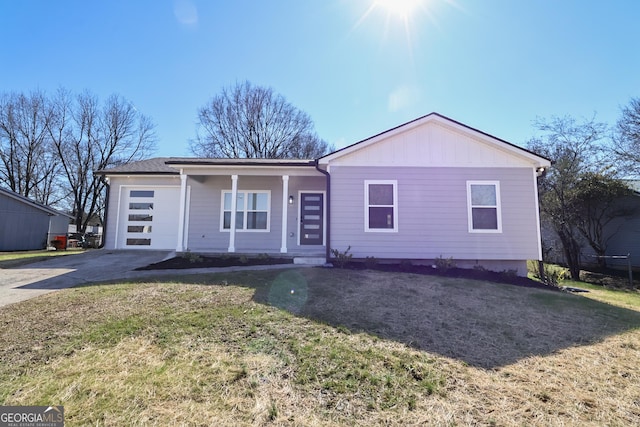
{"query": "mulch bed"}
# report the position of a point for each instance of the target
(185, 262)
(463, 273)
(179, 262)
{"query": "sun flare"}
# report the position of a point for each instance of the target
(402, 9)
(392, 20)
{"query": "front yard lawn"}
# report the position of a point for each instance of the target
(322, 347)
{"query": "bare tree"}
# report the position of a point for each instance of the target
(28, 164)
(627, 138)
(89, 137)
(575, 149)
(247, 121)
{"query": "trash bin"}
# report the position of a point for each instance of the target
(60, 242)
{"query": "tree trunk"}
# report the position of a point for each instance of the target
(571, 249)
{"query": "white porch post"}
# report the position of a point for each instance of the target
(285, 192)
(234, 198)
(183, 203)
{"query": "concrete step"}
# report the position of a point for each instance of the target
(309, 260)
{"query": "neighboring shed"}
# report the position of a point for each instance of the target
(27, 225)
(622, 234)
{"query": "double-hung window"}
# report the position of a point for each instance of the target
(252, 211)
(381, 205)
(483, 201)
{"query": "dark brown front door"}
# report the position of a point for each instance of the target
(311, 218)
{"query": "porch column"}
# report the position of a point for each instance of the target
(183, 203)
(285, 208)
(234, 198)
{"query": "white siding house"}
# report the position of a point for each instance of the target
(429, 188)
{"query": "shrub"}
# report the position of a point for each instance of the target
(552, 275)
(341, 259)
(192, 257)
(444, 264)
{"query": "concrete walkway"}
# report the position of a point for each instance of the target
(95, 266)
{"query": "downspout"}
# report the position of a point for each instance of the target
(106, 212)
(328, 212)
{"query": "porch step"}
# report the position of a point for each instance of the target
(306, 260)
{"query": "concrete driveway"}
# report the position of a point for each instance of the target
(100, 265)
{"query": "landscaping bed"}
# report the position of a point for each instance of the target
(198, 261)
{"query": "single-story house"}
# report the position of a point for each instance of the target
(26, 225)
(429, 188)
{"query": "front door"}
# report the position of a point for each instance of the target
(311, 218)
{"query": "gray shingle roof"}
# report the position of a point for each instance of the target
(27, 201)
(157, 165)
(162, 165)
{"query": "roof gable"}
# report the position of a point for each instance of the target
(434, 140)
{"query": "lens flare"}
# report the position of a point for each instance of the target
(403, 9)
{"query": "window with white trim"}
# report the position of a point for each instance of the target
(252, 211)
(483, 201)
(381, 205)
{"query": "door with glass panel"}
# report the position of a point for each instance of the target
(311, 218)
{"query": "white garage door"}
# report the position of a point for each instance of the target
(149, 218)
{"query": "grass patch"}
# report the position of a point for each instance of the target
(345, 347)
(613, 290)
(17, 259)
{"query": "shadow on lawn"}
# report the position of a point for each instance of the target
(484, 324)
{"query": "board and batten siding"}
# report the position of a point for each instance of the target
(433, 145)
(433, 214)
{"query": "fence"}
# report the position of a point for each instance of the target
(627, 257)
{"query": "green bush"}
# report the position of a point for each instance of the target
(552, 275)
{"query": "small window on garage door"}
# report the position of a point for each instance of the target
(140, 214)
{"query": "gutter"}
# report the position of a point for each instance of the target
(327, 213)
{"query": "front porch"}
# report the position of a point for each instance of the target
(254, 208)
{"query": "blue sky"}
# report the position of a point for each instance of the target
(357, 68)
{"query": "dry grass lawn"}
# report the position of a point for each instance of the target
(319, 347)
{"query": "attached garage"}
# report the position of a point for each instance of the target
(148, 217)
